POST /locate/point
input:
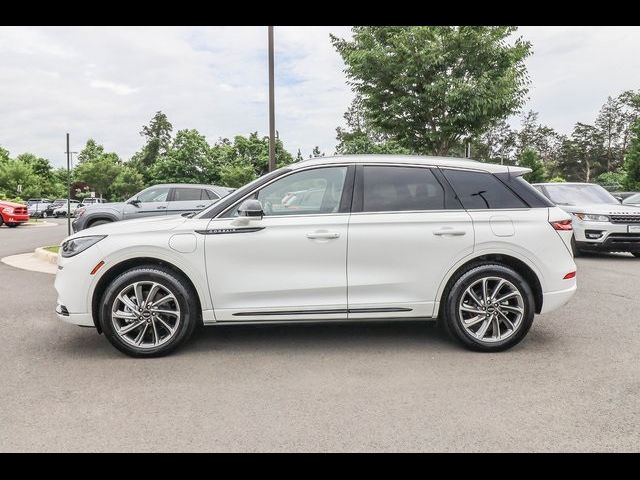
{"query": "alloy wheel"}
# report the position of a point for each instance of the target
(491, 309)
(145, 314)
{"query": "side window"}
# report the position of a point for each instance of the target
(208, 195)
(185, 194)
(158, 194)
(396, 189)
(302, 193)
(478, 190)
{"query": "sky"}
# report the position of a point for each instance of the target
(107, 82)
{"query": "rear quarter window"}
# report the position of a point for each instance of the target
(480, 190)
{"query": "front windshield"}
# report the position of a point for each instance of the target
(572, 194)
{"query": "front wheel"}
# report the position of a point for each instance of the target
(489, 308)
(148, 311)
(12, 225)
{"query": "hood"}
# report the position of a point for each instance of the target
(602, 209)
(5, 203)
(138, 225)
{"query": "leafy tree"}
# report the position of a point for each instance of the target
(15, 173)
(127, 182)
(497, 145)
(236, 175)
(529, 158)
(632, 159)
(299, 156)
(582, 155)
(99, 172)
(610, 122)
(556, 180)
(612, 179)
(360, 138)
(158, 139)
(315, 153)
(430, 87)
(91, 151)
(188, 160)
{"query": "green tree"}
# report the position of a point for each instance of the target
(497, 145)
(236, 175)
(158, 139)
(632, 159)
(315, 153)
(91, 151)
(127, 182)
(610, 123)
(529, 158)
(582, 154)
(359, 138)
(99, 173)
(189, 159)
(431, 87)
(615, 180)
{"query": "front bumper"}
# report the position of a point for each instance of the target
(607, 237)
(15, 218)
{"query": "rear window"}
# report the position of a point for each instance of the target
(479, 190)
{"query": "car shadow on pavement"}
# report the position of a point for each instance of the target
(321, 337)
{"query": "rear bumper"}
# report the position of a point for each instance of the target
(553, 300)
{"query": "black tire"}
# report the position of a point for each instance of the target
(636, 254)
(574, 247)
(452, 320)
(99, 222)
(169, 280)
(1, 220)
(45, 214)
(12, 225)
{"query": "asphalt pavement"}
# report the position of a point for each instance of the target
(572, 385)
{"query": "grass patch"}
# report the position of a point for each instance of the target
(53, 248)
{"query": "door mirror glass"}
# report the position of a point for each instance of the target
(251, 208)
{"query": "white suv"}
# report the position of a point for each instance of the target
(389, 238)
(600, 222)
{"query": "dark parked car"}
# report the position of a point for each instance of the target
(167, 199)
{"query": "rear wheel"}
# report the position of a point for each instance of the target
(636, 254)
(489, 308)
(1, 220)
(148, 311)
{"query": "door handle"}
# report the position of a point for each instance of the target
(449, 231)
(161, 208)
(322, 235)
(200, 206)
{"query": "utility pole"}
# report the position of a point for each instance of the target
(68, 188)
(272, 113)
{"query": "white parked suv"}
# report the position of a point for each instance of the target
(389, 238)
(600, 222)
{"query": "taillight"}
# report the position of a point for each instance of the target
(562, 225)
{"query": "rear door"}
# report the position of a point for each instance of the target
(405, 232)
(187, 199)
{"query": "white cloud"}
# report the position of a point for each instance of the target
(106, 82)
(117, 88)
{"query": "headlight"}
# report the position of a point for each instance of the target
(8, 210)
(73, 247)
(590, 217)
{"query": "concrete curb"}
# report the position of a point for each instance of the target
(42, 223)
(40, 260)
(45, 255)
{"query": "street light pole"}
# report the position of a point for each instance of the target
(272, 114)
(68, 188)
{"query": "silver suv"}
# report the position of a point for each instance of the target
(166, 199)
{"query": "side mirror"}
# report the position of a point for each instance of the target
(251, 208)
(619, 198)
(134, 201)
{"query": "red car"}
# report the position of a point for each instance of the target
(13, 214)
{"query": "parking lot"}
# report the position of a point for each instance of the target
(572, 385)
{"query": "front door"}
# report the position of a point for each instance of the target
(290, 264)
(152, 201)
(405, 232)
